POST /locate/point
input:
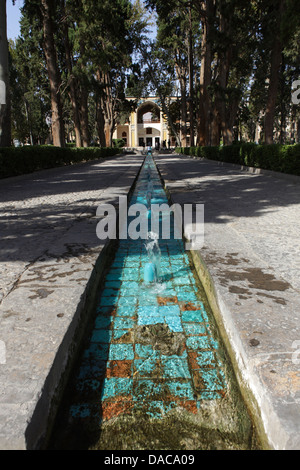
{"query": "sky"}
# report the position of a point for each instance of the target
(13, 17)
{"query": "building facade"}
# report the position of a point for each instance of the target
(146, 126)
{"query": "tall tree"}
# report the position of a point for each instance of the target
(47, 9)
(5, 125)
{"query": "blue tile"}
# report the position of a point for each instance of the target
(144, 367)
(125, 311)
(119, 333)
(191, 316)
(144, 388)
(115, 387)
(171, 310)
(81, 410)
(211, 380)
(97, 351)
(107, 301)
(194, 328)
(123, 323)
(198, 342)
(143, 350)
(113, 285)
(101, 336)
(176, 368)
(121, 352)
(205, 358)
(174, 323)
(102, 322)
(181, 389)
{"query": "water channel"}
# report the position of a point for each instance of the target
(153, 373)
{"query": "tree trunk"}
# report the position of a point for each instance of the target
(191, 80)
(100, 122)
(276, 56)
(5, 122)
(72, 81)
(54, 75)
(224, 66)
(181, 76)
(84, 116)
(203, 124)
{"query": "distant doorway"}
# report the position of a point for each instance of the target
(149, 141)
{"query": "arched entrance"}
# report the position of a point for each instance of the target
(149, 125)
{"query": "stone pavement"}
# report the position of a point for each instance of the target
(50, 261)
(249, 266)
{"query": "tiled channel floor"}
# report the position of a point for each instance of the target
(152, 347)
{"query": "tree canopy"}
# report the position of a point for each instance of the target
(230, 63)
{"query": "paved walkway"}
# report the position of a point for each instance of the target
(49, 262)
(250, 265)
(48, 265)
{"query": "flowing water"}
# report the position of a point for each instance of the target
(153, 373)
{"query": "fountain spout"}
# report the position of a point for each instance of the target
(152, 269)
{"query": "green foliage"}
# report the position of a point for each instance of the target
(22, 160)
(276, 157)
(118, 143)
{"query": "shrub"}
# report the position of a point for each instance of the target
(276, 157)
(21, 160)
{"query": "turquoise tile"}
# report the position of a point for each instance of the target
(114, 275)
(194, 329)
(211, 380)
(108, 301)
(176, 368)
(88, 385)
(210, 395)
(205, 358)
(131, 274)
(110, 293)
(144, 367)
(123, 323)
(191, 316)
(144, 388)
(101, 336)
(149, 310)
(81, 410)
(171, 310)
(198, 342)
(128, 284)
(153, 320)
(119, 333)
(121, 352)
(102, 322)
(113, 284)
(181, 389)
(127, 302)
(97, 351)
(115, 387)
(174, 323)
(181, 281)
(187, 297)
(125, 311)
(143, 350)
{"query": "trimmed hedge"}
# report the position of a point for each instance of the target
(276, 157)
(21, 160)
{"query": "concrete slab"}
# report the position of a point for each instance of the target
(249, 266)
(50, 262)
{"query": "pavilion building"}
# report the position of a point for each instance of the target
(146, 127)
